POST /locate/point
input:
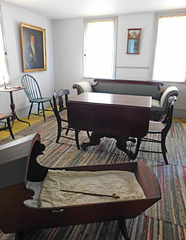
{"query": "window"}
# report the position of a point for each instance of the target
(99, 48)
(4, 76)
(170, 51)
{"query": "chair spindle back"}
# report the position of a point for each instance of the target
(31, 86)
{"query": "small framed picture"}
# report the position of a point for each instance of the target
(33, 43)
(133, 42)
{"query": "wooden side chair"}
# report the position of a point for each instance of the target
(160, 128)
(33, 92)
(60, 99)
(7, 118)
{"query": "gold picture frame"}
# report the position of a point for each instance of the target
(133, 41)
(33, 43)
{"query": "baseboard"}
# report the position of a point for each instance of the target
(21, 113)
(179, 113)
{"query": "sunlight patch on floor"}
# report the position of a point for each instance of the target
(18, 126)
(182, 120)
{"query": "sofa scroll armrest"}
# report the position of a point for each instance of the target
(170, 91)
(83, 86)
(159, 108)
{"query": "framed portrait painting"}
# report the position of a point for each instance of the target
(133, 41)
(33, 43)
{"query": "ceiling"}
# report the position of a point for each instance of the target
(59, 9)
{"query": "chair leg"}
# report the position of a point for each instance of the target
(30, 110)
(52, 105)
(163, 138)
(165, 158)
(137, 148)
(67, 131)
(38, 108)
(77, 139)
(9, 127)
(43, 112)
(163, 148)
(123, 228)
(58, 130)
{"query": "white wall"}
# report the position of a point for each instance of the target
(12, 16)
(68, 51)
(130, 66)
(64, 41)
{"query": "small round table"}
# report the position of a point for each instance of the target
(12, 104)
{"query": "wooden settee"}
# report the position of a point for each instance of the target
(18, 165)
(133, 87)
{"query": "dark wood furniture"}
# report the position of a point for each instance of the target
(18, 164)
(160, 128)
(6, 117)
(111, 115)
(10, 90)
(133, 87)
(62, 123)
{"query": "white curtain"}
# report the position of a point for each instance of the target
(170, 52)
(99, 47)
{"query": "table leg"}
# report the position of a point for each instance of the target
(122, 145)
(12, 107)
(95, 139)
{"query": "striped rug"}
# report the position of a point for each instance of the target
(165, 220)
(171, 207)
(140, 228)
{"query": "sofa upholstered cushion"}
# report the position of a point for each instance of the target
(129, 89)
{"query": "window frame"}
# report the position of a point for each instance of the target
(155, 32)
(7, 80)
(115, 42)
